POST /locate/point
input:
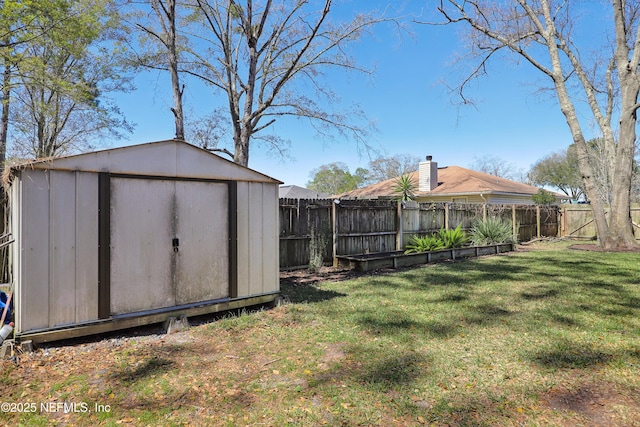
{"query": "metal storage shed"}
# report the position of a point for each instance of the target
(130, 236)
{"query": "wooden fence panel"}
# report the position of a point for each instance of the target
(311, 230)
(635, 218)
(549, 221)
(432, 217)
(464, 215)
(365, 226)
(421, 219)
(526, 222)
(299, 219)
(577, 221)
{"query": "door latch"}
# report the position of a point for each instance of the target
(176, 243)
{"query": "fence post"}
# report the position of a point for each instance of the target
(399, 227)
(446, 216)
(484, 212)
(538, 221)
(560, 219)
(513, 223)
(334, 228)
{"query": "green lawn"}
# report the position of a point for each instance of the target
(544, 337)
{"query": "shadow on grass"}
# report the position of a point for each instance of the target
(394, 371)
(564, 320)
(308, 293)
(149, 367)
(485, 314)
(375, 325)
(569, 355)
(460, 274)
(381, 368)
(539, 293)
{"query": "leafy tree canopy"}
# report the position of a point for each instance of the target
(559, 170)
(335, 178)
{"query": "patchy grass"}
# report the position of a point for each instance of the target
(543, 337)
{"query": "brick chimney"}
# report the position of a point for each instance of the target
(427, 175)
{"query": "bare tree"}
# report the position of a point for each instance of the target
(541, 32)
(208, 130)
(261, 53)
(494, 165)
(383, 168)
(160, 27)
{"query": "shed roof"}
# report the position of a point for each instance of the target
(170, 158)
(452, 180)
(296, 192)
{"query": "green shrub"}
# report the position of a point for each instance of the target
(455, 238)
(491, 231)
(444, 239)
(544, 197)
(424, 244)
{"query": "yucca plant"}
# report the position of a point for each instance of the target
(405, 188)
(424, 244)
(455, 238)
(491, 231)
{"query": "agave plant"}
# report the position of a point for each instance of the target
(491, 231)
(424, 244)
(455, 238)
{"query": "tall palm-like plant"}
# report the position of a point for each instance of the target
(405, 188)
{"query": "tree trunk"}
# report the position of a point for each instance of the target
(173, 69)
(241, 154)
(620, 224)
(4, 117)
(569, 112)
(589, 182)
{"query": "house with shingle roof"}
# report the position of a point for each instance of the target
(453, 184)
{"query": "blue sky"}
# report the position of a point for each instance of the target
(413, 110)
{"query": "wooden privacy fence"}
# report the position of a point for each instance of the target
(313, 232)
(577, 221)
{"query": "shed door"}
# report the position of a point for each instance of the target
(202, 221)
(169, 243)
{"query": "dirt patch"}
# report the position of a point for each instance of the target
(323, 274)
(596, 248)
(596, 404)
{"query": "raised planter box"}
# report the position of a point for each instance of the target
(374, 261)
